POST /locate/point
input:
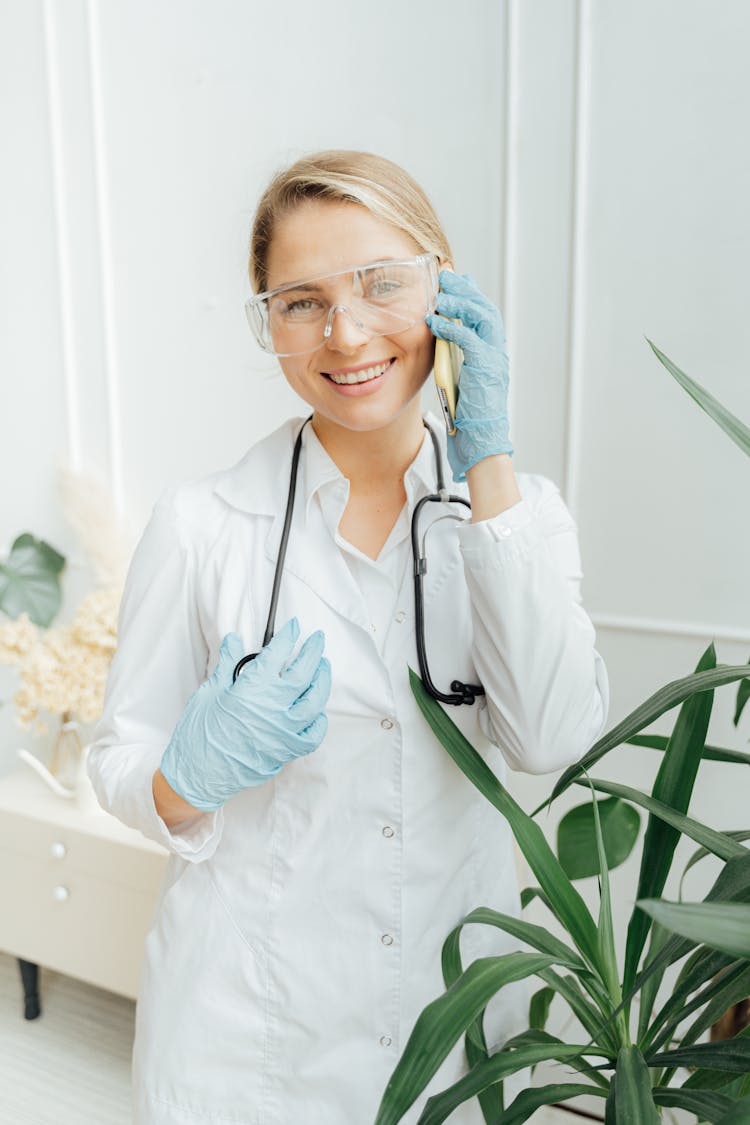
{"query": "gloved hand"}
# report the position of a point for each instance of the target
(482, 407)
(235, 735)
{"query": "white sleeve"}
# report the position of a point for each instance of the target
(547, 688)
(159, 662)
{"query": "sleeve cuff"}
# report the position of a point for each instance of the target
(491, 542)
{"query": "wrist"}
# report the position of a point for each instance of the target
(170, 806)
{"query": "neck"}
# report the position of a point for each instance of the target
(373, 460)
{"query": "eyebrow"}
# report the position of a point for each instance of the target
(311, 287)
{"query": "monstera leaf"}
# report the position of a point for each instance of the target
(30, 580)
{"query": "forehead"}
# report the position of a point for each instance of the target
(323, 236)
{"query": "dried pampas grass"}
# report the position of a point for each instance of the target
(106, 536)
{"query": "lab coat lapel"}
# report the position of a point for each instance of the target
(259, 486)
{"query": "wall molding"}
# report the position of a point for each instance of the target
(659, 626)
(61, 219)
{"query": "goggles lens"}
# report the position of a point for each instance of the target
(381, 298)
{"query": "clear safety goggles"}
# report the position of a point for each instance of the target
(381, 298)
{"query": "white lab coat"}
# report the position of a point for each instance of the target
(298, 932)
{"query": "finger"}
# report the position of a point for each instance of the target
(302, 669)
(313, 700)
(311, 737)
(274, 656)
(231, 652)
(487, 324)
(466, 338)
(462, 285)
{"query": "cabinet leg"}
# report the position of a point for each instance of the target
(30, 979)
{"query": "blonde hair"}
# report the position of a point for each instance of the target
(348, 176)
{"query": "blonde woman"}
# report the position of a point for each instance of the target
(322, 843)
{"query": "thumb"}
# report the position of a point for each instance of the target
(231, 652)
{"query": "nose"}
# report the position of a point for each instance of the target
(341, 332)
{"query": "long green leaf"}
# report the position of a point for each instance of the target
(722, 846)
(703, 965)
(532, 935)
(634, 1103)
(673, 787)
(650, 986)
(724, 926)
(739, 1114)
(710, 753)
(567, 904)
(440, 1024)
(667, 697)
(570, 990)
(737, 834)
(494, 1069)
(731, 425)
(529, 1101)
(708, 1078)
(730, 1055)
(706, 1104)
(607, 954)
(731, 986)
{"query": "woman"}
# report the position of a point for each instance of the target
(322, 843)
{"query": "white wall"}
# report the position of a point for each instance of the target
(589, 163)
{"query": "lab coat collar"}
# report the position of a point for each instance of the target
(259, 485)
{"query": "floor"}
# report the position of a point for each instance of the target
(71, 1066)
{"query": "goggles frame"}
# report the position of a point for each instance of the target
(256, 308)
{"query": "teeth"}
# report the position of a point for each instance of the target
(361, 376)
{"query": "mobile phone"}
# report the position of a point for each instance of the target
(447, 367)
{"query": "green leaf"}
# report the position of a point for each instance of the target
(743, 694)
(634, 1103)
(529, 1101)
(29, 580)
(739, 1114)
(724, 926)
(440, 1024)
(722, 846)
(705, 1078)
(667, 697)
(673, 787)
(576, 837)
(539, 1008)
(493, 1069)
(737, 834)
(570, 990)
(564, 899)
(730, 987)
(710, 753)
(706, 1104)
(731, 425)
(729, 1055)
(532, 935)
(606, 937)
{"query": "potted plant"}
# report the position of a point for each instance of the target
(632, 1062)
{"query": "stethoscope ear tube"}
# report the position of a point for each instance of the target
(282, 552)
(460, 692)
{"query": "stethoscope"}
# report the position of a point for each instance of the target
(460, 692)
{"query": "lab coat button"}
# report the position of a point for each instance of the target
(386, 724)
(385, 1040)
(400, 616)
(387, 939)
(388, 831)
(506, 531)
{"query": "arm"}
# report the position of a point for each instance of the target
(547, 686)
(159, 662)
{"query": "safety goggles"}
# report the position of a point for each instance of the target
(381, 298)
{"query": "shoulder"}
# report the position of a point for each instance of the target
(201, 505)
(543, 501)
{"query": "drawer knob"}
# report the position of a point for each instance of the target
(58, 849)
(60, 894)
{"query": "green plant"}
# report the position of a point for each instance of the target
(630, 1063)
(30, 580)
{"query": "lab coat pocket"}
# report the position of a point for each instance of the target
(201, 1014)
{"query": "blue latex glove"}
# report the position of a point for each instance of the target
(482, 407)
(235, 735)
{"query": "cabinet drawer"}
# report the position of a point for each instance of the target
(83, 852)
(74, 923)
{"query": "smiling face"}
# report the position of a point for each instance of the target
(320, 237)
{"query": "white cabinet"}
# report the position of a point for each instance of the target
(77, 889)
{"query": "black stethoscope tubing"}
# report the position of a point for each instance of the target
(460, 692)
